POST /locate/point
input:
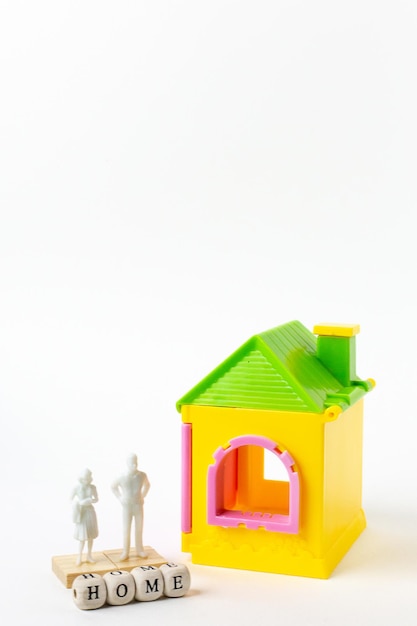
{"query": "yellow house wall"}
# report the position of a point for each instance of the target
(302, 434)
(343, 473)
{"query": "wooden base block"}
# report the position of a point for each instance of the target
(67, 570)
(152, 558)
(107, 561)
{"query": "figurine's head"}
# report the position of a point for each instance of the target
(86, 477)
(132, 462)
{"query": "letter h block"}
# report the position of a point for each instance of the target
(89, 591)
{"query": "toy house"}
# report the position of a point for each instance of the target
(287, 402)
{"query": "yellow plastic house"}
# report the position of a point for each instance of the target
(272, 454)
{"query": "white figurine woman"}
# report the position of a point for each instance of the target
(84, 515)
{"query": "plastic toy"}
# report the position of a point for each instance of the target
(84, 515)
(296, 400)
(131, 489)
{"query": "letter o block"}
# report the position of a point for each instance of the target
(89, 591)
(120, 587)
(177, 579)
(149, 583)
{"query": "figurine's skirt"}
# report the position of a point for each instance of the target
(87, 526)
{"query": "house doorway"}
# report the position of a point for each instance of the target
(242, 491)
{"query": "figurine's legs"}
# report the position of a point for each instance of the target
(80, 553)
(89, 555)
(127, 525)
(138, 534)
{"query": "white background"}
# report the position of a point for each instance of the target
(176, 176)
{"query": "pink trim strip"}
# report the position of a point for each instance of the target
(186, 478)
(277, 523)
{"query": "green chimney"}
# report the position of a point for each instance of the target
(336, 349)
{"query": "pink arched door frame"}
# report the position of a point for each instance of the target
(273, 522)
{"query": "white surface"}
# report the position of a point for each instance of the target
(176, 176)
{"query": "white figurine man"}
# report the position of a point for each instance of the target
(84, 515)
(131, 489)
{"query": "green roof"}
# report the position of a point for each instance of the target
(275, 370)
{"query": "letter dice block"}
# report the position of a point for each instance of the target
(120, 587)
(177, 579)
(149, 583)
(89, 591)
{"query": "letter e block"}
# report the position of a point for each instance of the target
(149, 583)
(177, 579)
(120, 587)
(89, 591)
